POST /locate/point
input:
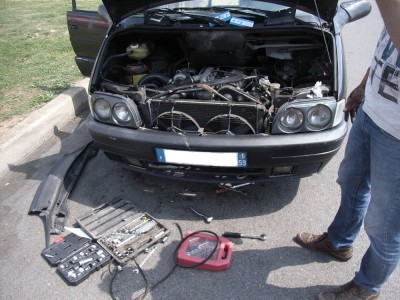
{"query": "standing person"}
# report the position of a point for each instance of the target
(369, 175)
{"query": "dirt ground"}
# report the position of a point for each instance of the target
(10, 123)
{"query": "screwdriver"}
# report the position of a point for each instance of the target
(261, 237)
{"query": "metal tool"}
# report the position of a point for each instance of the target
(138, 231)
(261, 237)
(85, 261)
(207, 219)
(135, 271)
(235, 188)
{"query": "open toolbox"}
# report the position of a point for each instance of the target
(76, 257)
(122, 230)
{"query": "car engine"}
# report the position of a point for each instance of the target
(215, 82)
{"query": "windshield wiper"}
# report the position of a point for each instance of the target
(246, 11)
(283, 16)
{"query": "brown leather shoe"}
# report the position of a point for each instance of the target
(348, 291)
(322, 243)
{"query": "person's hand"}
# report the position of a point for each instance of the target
(353, 103)
(355, 98)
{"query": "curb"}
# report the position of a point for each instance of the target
(29, 134)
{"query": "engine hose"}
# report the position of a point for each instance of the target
(239, 92)
(211, 90)
(150, 78)
(209, 83)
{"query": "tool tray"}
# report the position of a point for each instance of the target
(76, 258)
(122, 230)
(60, 251)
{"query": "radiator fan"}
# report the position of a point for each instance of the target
(177, 121)
(229, 124)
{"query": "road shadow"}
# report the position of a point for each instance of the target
(38, 168)
(251, 275)
(104, 180)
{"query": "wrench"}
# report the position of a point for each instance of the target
(135, 271)
(225, 188)
(206, 219)
(261, 237)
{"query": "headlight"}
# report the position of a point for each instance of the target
(292, 118)
(319, 116)
(102, 109)
(115, 109)
(122, 113)
(308, 115)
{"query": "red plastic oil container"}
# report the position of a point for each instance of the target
(199, 246)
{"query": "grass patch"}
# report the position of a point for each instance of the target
(36, 58)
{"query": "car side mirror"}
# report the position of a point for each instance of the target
(350, 11)
(103, 13)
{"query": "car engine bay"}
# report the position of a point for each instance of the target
(214, 81)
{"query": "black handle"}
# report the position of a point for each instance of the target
(232, 234)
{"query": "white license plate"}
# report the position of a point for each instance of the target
(201, 158)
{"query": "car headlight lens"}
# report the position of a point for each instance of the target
(122, 113)
(292, 118)
(319, 116)
(102, 109)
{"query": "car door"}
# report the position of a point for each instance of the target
(87, 30)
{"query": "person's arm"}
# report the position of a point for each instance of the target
(355, 98)
(390, 11)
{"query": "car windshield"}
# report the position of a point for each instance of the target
(213, 11)
(261, 5)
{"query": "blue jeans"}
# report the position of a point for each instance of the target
(369, 178)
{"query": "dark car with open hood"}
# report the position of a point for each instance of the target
(217, 91)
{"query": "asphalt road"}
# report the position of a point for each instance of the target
(273, 269)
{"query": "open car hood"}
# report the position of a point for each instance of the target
(120, 9)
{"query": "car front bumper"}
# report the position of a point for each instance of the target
(268, 156)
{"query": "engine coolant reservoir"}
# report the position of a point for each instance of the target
(139, 50)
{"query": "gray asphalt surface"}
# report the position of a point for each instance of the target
(273, 269)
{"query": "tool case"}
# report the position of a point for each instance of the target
(76, 257)
(122, 230)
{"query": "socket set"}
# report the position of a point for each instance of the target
(122, 230)
(80, 265)
(76, 258)
(64, 247)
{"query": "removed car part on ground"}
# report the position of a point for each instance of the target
(50, 200)
(225, 92)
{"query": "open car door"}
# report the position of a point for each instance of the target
(87, 30)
